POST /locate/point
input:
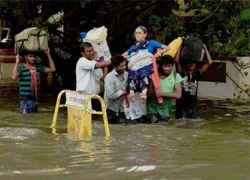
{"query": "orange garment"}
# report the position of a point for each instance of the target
(33, 82)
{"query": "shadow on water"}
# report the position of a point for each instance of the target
(217, 142)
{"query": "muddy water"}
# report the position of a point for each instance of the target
(216, 146)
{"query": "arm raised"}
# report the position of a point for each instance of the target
(51, 67)
(15, 73)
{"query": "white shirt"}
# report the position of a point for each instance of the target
(136, 109)
(85, 76)
(102, 54)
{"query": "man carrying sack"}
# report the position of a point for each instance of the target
(29, 79)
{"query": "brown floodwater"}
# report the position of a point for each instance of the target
(216, 146)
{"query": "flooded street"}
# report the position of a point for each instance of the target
(217, 146)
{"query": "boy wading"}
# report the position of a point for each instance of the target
(29, 80)
(28, 84)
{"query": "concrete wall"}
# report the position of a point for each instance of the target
(237, 85)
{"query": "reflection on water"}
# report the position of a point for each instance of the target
(216, 146)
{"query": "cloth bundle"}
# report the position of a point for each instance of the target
(31, 39)
(141, 59)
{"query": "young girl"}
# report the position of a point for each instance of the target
(140, 62)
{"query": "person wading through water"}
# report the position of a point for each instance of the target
(29, 79)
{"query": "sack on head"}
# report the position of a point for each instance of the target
(96, 35)
(192, 49)
(31, 39)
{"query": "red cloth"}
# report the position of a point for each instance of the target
(126, 101)
(156, 80)
(33, 83)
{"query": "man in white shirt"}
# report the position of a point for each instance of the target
(85, 70)
(102, 53)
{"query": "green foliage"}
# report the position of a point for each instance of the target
(84, 3)
(174, 25)
(194, 4)
(171, 25)
(226, 28)
(20, 14)
(237, 45)
(245, 13)
(155, 21)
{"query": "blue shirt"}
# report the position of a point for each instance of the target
(151, 47)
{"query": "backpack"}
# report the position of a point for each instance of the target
(192, 49)
(31, 39)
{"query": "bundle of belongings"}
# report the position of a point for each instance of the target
(31, 39)
(192, 49)
(97, 37)
(141, 59)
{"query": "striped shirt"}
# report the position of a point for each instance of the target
(25, 81)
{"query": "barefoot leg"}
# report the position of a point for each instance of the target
(131, 95)
(144, 95)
